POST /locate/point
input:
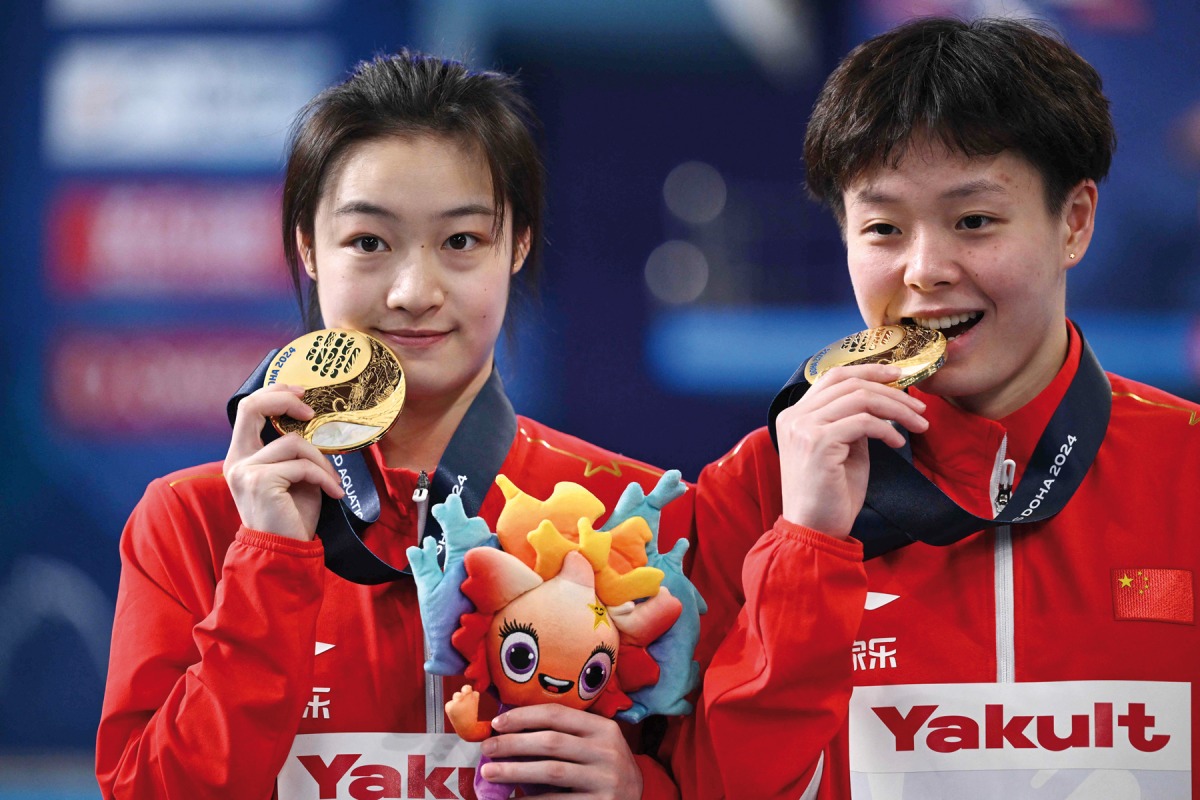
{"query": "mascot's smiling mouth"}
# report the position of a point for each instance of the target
(554, 685)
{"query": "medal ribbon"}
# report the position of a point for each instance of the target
(903, 506)
(467, 468)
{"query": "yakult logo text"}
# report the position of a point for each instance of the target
(1000, 729)
(373, 766)
(1130, 725)
(376, 781)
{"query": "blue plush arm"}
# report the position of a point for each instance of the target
(679, 674)
(439, 588)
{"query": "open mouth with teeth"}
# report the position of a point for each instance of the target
(952, 326)
(554, 685)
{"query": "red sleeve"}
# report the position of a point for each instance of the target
(784, 607)
(207, 678)
(656, 783)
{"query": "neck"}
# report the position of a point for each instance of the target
(424, 428)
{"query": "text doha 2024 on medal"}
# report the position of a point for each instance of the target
(919, 352)
(351, 380)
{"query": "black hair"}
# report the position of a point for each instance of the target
(978, 87)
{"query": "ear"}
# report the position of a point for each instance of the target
(495, 578)
(521, 245)
(304, 247)
(1079, 220)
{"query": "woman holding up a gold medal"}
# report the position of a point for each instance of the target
(982, 585)
(241, 666)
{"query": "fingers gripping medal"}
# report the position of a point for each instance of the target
(918, 352)
(351, 380)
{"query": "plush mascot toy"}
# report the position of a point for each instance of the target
(551, 610)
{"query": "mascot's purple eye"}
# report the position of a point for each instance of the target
(594, 674)
(519, 655)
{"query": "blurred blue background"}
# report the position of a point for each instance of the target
(686, 273)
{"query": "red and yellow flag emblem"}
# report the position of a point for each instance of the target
(1160, 595)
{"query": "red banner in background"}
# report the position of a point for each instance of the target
(107, 383)
(162, 239)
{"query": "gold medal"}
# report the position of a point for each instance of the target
(919, 352)
(353, 382)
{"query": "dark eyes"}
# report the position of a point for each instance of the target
(369, 244)
(461, 241)
(971, 222)
(373, 244)
(518, 651)
(595, 673)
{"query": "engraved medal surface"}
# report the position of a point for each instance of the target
(919, 352)
(353, 382)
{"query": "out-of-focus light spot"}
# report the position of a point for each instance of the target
(695, 192)
(677, 272)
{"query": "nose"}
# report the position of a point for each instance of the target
(417, 285)
(930, 263)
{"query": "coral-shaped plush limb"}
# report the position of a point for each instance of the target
(542, 532)
(612, 586)
(567, 504)
(550, 548)
(629, 540)
(463, 711)
(674, 650)
(439, 592)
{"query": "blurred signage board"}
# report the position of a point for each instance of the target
(84, 12)
(179, 102)
(752, 350)
(179, 238)
(106, 383)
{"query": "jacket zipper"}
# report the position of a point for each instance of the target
(1003, 478)
(435, 720)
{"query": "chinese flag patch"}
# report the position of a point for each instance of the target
(1160, 595)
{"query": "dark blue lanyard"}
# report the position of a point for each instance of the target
(903, 506)
(467, 468)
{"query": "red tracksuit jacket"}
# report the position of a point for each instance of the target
(238, 659)
(1052, 660)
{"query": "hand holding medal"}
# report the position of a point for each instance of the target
(822, 431)
(338, 390)
(353, 383)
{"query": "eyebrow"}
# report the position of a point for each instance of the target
(971, 188)
(469, 210)
(373, 210)
(363, 207)
(871, 196)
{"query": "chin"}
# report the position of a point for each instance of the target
(946, 383)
